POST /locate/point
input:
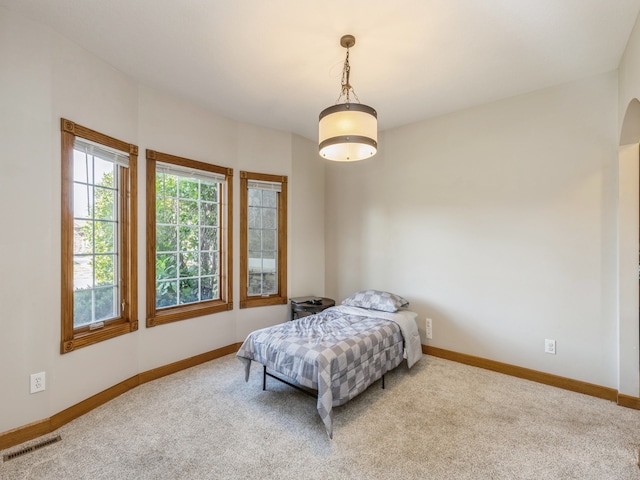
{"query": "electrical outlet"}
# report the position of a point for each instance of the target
(550, 346)
(428, 328)
(38, 382)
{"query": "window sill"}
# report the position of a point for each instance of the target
(263, 301)
(184, 312)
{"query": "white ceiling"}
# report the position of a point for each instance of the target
(278, 63)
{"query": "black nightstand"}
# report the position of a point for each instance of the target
(303, 306)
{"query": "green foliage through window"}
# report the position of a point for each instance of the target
(187, 240)
(95, 255)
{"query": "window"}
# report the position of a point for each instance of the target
(99, 275)
(188, 238)
(263, 239)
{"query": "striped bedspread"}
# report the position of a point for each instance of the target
(336, 353)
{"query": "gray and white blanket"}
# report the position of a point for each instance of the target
(338, 352)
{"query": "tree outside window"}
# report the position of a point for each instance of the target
(189, 233)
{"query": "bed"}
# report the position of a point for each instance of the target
(340, 351)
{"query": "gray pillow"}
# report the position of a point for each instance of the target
(376, 300)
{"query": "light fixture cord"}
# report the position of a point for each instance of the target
(347, 89)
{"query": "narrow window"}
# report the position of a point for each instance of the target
(263, 241)
(99, 276)
(188, 238)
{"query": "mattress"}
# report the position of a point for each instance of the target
(338, 352)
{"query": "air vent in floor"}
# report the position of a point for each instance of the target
(32, 448)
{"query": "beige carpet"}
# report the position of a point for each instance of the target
(439, 420)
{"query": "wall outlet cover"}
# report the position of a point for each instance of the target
(38, 382)
(550, 346)
(428, 328)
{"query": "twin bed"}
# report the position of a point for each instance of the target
(339, 352)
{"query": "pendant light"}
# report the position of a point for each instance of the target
(347, 131)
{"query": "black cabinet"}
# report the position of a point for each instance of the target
(303, 306)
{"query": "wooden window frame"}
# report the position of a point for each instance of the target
(161, 316)
(73, 338)
(280, 297)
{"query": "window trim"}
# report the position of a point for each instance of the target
(182, 312)
(280, 297)
(73, 338)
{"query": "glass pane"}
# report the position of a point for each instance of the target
(255, 197)
(105, 203)
(269, 198)
(82, 237)
(207, 291)
(82, 307)
(215, 282)
(189, 264)
(255, 284)
(166, 239)
(166, 210)
(209, 263)
(197, 237)
(166, 266)
(160, 179)
(166, 294)
(269, 218)
(209, 239)
(209, 191)
(189, 290)
(104, 172)
(209, 214)
(104, 237)
(188, 188)
(166, 185)
(189, 238)
(269, 240)
(82, 167)
(254, 217)
(82, 272)
(105, 305)
(105, 270)
(269, 283)
(255, 239)
(269, 261)
(255, 262)
(82, 200)
(95, 261)
(188, 212)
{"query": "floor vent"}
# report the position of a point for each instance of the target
(32, 448)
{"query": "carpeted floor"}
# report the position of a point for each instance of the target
(439, 420)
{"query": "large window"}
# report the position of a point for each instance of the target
(188, 238)
(263, 240)
(99, 276)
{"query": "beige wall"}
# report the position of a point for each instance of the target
(629, 135)
(628, 228)
(46, 77)
(498, 222)
(307, 214)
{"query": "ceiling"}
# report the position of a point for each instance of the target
(278, 63)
